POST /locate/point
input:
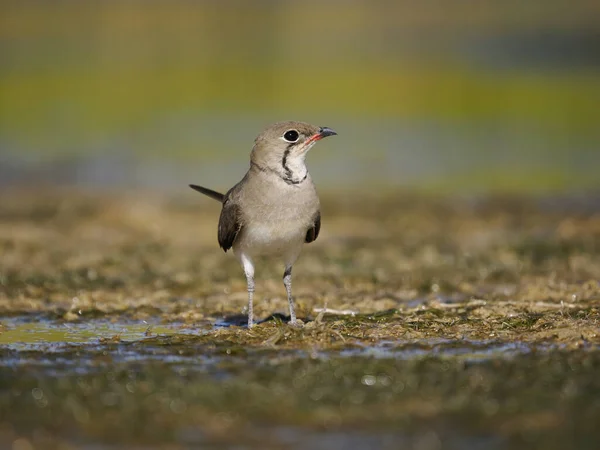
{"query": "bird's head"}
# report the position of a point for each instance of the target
(282, 147)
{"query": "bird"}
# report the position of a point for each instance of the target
(274, 210)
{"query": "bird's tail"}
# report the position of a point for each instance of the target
(208, 192)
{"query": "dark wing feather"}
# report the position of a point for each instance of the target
(229, 224)
(313, 232)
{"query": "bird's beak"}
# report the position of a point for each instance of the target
(323, 133)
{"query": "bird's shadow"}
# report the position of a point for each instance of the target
(241, 320)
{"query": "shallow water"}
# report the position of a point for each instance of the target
(126, 384)
(21, 332)
(45, 343)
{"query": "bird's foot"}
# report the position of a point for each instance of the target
(296, 324)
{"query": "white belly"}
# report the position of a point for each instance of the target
(274, 239)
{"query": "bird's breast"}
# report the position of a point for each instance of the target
(276, 218)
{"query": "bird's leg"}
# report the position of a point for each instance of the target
(287, 281)
(249, 272)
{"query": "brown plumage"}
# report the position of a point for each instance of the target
(274, 209)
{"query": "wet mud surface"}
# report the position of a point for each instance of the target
(428, 324)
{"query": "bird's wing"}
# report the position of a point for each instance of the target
(230, 224)
(313, 232)
(209, 192)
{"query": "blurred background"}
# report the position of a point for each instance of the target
(461, 95)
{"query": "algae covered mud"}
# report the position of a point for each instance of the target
(429, 324)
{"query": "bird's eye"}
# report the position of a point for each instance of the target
(291, 136)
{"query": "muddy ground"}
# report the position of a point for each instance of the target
(430, 323)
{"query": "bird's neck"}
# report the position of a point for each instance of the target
(294, 168)
(290, 168)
